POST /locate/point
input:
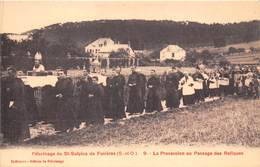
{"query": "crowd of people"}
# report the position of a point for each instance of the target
(70, 103)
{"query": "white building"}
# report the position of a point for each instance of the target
(94, 47)
(172, 52)
(103, 47)
(19, 37)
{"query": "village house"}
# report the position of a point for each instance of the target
(19, 37)
(172, 52)
(95, 47)
(102, 49)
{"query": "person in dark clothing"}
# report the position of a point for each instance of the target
(172, 92)
(224, 82)
(142, 82)
(135, 95)
(153, 102)
(237, 77)
(213, 84)
(14, 113)
(199, 83)
(65, 118)
(81, 97)
(163, 85)
(108, 96)
(94, 92)
(179, 76)
(31, 105)
(231, 81)
(48, 103)
(255, 86)
(115, 86)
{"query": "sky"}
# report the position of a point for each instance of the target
(18, 17)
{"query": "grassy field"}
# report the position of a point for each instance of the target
(232, 121)
(244, 58)
(255, 44)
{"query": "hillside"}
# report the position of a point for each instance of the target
(151, 34)
(246, 57)
(232, 121)
(245, 45)
(56, 41)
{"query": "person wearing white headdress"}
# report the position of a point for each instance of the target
(38, 67)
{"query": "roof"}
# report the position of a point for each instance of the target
(99, 41)
(172, 48)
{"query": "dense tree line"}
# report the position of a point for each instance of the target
(151, 34)
(58, 41)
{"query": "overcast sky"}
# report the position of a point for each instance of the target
(18, 17)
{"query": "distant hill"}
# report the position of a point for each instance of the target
(57, 40)
(149, 34)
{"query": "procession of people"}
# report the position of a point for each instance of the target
(70, 104)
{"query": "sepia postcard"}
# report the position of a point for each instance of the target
(130, 83)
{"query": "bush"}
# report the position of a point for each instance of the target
(232, 50)
(171, 62)
(224, 62)
(241, 50)
(252, 49)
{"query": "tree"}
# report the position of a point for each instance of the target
(119, 56)
(241, 50)
(191, 57)
(219, 42)
(232, 50)
(120, 53)
(224, 62)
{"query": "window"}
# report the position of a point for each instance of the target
(173, 55)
